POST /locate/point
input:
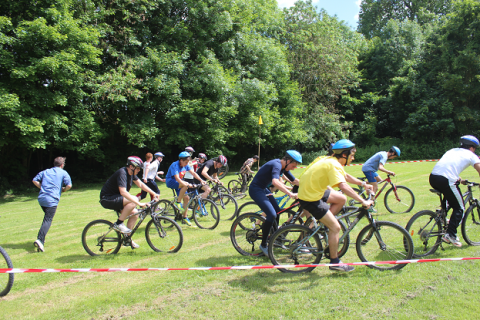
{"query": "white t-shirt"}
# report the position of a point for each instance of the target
(145, 166)
(188, 175)
(152, 170)
(453, 162)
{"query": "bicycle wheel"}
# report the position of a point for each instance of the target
(164, 235)
(166, 209)
(295, 244)
(426, 233)
(399, 201)
(235, 187)
(471, 225)
(246, 234)
(6, 281)
(228, 206)
(222, 172)
(206, 214)
(390, 242)
(214, 194)
(249, 206)
(98, 238)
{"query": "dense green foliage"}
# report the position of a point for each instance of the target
(97, 81)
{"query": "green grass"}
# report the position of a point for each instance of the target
(441, 290)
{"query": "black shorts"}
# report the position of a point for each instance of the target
(318, 208)
(114, 202)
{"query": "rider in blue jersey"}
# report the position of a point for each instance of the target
(268, 174)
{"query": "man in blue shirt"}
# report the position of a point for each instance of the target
(51, 182)
(375, 163)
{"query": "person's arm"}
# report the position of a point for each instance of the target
(351, 179)
(348, 191)
(280, 186)
(66, 188)
(206, 175)
(37, 184)
(181, 182)
(197, 176)
(477, 167)
(382, 168)
(129, 197)
(147, 168)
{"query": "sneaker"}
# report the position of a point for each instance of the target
(178, 205)
(304, 250)
(452, 240)
(39, 245)
(344, 268)
(264, 250)
(187, 222)
(121, 228)
(135, 245)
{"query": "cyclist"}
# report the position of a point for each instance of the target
(50, 183)
(329, 154)
(315, 193)
(151, 174)
(246, 169)
(445, 178)
(268, 174)
(209, 171)
(202, 157)
(115, 195)
(174, 177)
(193, 164)
(377, 162)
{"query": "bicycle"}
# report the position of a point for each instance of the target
(398, 199)
(251, 206)
(223, 199)
(204, 218)
(7, 278)
(427, 227)
(379, 240)
(162, 233)
(238, 187)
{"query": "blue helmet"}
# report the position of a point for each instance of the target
(159, 154)
(342, 145)
(294, 155)
(397, 150)
(469, 141)
(184, 154)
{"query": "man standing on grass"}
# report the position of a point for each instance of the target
(51, 182)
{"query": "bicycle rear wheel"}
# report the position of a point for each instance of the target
(400, 200)
(471, 225)
(246, 234)
(6, 279)
(228, 206)
(164, 235)
(222, 172)
(235, 187)
(295, 244)
(98, 238)
(206, 214)
(167, 209)
(426, 233)
(390, 242)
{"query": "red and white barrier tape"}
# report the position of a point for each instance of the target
(361, 164)
(15, 270)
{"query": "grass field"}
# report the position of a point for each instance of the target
(441, 290)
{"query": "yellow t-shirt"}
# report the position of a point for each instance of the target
(311, 164)
(325, 172)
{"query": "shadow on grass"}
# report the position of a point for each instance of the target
(27, 246)
(81, 257)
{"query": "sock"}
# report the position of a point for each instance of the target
(118, 222)
(336, 260)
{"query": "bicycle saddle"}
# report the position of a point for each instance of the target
(436, 192)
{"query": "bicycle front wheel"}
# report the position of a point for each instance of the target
(295, 245)
(426, 233)
(228, 206)
(206, 214)
(387, 242)
(98, 238)
(164, 235)
(246, 234)
(6, 281)
(471, 225)
(400, 200)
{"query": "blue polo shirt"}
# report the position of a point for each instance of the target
(173, 170)
(269, 171)
(52, 180)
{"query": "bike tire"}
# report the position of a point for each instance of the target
(426, 233)
(398, 245)
(208, 215)
(246, 234)
(7, 278)
(228, 206)
(249, 206)
(167, 209)
(222, 172)
(404, 203)
(295, 245)
(471, 225)
(98, 238)
(164, 235)
(214, 195)
(235, 188)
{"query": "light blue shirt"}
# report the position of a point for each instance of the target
(173, 171)
(373, 163)
(52, 180)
